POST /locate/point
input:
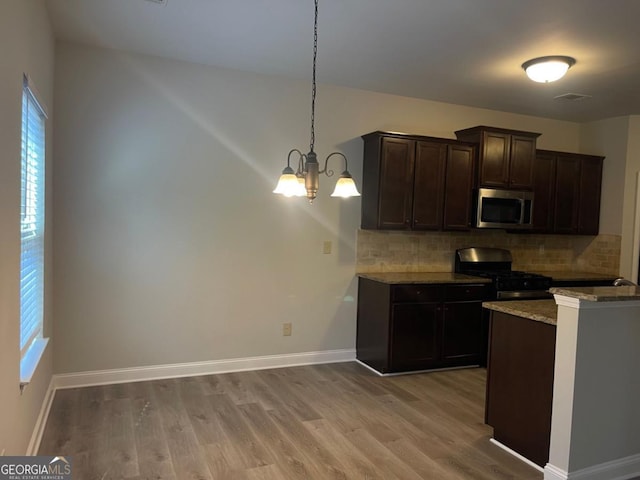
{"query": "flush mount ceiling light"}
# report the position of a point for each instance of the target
(305, 180)
(548, 69)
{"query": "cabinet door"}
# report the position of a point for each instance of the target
(589, 204)
(428, 186)
(462, 333)
(494, 160)
(544, 171)
(414, 336)
(458, 188)
(396, 183)
(566, 197)
(523, 153)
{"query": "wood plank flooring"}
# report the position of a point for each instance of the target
(335, 421)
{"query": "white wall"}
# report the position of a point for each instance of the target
(170, 246)
(26, 46)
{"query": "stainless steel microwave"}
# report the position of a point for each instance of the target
(508, 209)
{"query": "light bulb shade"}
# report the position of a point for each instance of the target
(287, 185)
(301, 191)
(345, 187)
(547, 69)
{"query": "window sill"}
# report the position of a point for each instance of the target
(30, 361)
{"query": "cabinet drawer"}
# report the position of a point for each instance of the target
(461, 293)
(416, 293)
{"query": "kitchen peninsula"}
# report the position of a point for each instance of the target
(522, 342)
(575, 382)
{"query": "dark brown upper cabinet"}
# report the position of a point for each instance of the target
(428, 187)
(544, 180)
(567, 193)
(458, 192)
(506, 157)
(416, 183)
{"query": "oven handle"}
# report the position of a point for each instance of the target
(523, 295)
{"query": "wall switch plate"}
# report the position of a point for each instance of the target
(286, 329)
(326, 247)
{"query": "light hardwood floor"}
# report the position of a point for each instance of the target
(336, 421)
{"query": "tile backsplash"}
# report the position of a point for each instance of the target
(392, 251)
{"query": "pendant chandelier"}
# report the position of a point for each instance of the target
(305, 180)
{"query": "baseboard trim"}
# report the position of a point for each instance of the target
(157, 372)
(41, 421)
(516, 454)
(621, 469)
(413, 372)
(371, 369)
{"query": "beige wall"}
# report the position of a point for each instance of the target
(609, 138)
(618, 139)
(170, 246)
(26, 46)
(631, 215)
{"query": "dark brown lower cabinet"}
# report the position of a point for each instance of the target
(461, 330)
(520, 384)
(414, 334)
(405, 328)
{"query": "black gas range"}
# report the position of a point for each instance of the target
(507, 284)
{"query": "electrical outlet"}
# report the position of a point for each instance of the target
(286, 329)
(326, 247)
(2, 454)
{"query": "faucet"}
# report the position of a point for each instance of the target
(623, 282)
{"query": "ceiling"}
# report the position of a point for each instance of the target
(466, 52)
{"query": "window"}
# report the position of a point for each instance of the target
(32, 207)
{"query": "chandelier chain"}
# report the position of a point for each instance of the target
(305, 181)
(313, 81)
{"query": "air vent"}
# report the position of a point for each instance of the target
(573, 97)
(159, 2)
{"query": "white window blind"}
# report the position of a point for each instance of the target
(32, 220)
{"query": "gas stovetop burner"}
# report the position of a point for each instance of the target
(495, 263)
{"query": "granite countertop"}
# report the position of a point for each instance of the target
(422, 277)
(569, 275)
(545, 311)
(599, 294)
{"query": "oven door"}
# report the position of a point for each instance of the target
(523, 295)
